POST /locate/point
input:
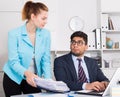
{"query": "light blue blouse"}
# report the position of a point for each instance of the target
(20, 53)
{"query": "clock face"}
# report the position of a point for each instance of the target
(76, 23)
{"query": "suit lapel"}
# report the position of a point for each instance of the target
(25, 36)
(71, 66)
(26, 40)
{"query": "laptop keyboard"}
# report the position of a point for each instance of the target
(98, 92)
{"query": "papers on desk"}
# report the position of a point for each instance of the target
(48, 95)
(51, 85)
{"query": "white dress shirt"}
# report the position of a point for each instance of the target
(83, 64)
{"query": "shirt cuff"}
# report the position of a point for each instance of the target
(83, 86)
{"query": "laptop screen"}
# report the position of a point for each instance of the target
(113, 82)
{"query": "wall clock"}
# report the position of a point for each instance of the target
(76, 23)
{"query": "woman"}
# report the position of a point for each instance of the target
(28, 52)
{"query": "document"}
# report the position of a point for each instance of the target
(103, 40)
(97, 38)
(51, 85)
(104, 22)
(91, 41)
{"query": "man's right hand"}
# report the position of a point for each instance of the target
(98, 86)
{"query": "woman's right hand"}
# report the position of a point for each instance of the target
(30, 78)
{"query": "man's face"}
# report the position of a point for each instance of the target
(78, 46)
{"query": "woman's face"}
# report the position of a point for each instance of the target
(40, 19)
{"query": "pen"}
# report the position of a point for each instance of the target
(69, 95)
(30, 96)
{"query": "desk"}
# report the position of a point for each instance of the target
(54, 95)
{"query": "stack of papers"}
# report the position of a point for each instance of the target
(51, 85)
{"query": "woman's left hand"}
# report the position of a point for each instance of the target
(30, 78)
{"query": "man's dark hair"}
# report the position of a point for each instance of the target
(81, 35)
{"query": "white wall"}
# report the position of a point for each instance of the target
(85, 9)
(60, 12)
(110, 5)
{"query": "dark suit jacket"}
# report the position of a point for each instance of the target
(64, 70)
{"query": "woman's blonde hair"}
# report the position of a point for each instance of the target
(32, 8)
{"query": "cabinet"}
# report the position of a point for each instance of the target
(109, 23)
(110, 33)
(110, 40)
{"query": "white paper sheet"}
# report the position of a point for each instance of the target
(51, 85)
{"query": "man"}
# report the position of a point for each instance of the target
(78, 75)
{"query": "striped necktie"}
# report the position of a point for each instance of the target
(81, 73)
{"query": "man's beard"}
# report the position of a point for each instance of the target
(76, 54)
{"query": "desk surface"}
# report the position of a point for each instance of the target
(55, 95)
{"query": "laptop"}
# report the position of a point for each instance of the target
(113, 82)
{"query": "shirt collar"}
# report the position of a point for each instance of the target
(75, 57)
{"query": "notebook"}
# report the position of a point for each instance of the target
(113, 82)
